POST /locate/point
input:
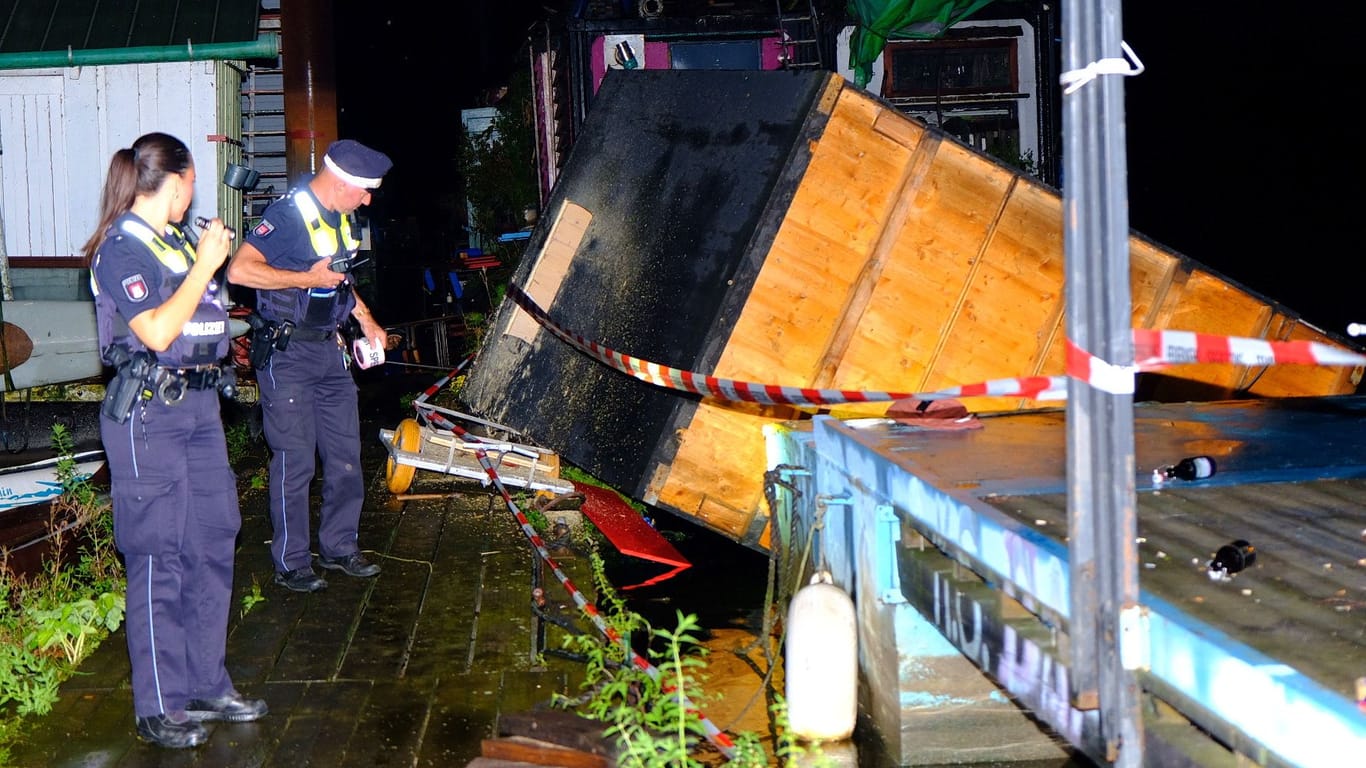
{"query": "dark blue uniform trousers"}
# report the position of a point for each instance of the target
(309, 410)
(175, 521)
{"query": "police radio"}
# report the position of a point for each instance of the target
(341, 262)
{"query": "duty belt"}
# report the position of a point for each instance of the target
(199, 377)
(314, 334)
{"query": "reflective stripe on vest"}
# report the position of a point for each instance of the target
(177, 260)
(321, 235)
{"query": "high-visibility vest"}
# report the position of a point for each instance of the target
(204, 338)
(178, 260)
(323, 236)
(317, 308)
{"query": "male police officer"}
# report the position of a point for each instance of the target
(298, 259)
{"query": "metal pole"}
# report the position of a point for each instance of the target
(6, 293)
(1102, 519)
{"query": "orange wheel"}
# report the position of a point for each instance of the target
(407, 438)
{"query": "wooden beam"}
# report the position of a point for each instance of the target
(536, 752)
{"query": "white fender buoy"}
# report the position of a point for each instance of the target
(821, 662)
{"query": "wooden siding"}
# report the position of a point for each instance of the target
(59, 128)
(908, 262)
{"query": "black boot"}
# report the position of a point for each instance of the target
(232, 708)
(162, 731)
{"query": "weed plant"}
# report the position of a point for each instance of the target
(655, 720)
(53, 619)
(239, 438)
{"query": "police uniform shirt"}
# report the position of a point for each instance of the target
(129, 273)
(282, 237)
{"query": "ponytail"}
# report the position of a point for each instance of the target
(140, 169)
(120, 187)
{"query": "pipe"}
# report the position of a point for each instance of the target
(266, 46)
(310, 82)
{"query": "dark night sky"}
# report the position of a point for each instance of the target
(404, 73)
(1241, 148)
(405, 69)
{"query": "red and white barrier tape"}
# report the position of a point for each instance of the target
(715, 735)
(1153, 350)
(1036, 387)
(1156, 349)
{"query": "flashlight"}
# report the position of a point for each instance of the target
(203, 223)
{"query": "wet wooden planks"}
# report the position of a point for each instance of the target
(1299, 603)
(412, 667)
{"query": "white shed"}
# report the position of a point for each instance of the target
(76, 85)
(58, 130)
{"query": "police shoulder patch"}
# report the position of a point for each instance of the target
(135, 287)
(263, 229)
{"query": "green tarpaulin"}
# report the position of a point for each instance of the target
(880, 20)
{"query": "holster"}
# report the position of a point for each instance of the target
(266, 337)
(262, 346)
(133, 374)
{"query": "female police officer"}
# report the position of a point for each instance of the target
(163, 326)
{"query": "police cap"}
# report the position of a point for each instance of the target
(356, 163)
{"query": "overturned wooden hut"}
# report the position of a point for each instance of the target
(787, 228)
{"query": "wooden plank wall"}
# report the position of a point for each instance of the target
(60, 126)
(907, 262)
(800, 297)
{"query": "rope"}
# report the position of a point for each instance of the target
(786, 530)
(1074, 79)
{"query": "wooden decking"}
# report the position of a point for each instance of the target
(410, 668)
(972, 530)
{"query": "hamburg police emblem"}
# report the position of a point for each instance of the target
(135, 287)
(263, 229)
